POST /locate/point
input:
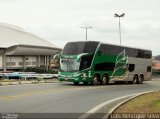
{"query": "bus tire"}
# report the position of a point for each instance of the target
(85, 83)
(135, 79)
(140, 79)
(105, 80)
(95, 80)
(76, 83)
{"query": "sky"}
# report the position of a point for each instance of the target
(60, 21)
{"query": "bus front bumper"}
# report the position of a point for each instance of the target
(70, 77)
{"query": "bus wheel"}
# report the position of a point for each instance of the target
(140, 79)
(76, 83)
(85, 83)
(135, 79)
(104, 80)
(95, 81)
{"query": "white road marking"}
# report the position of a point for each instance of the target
(93, 110)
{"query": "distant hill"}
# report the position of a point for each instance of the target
(157, 57)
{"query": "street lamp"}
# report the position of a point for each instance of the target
(119, 16)
(86, 28)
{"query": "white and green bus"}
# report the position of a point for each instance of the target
(100, 63)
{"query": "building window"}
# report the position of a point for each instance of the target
(28, 63)
(8, 63)
(34, 63)
(21, 63)
(11, 63)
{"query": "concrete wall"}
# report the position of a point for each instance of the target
(1, 67)
(19, 62)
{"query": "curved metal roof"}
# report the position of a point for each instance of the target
(11, 35)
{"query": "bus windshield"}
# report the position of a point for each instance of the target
(75, 48)
(69, 65)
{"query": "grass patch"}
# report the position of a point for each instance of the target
(147, 103)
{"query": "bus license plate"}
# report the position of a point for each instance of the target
(66, 79)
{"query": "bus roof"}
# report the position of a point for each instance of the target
(113, 45)
(126, 46)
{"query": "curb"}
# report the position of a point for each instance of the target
(109, 113)
(97, 109)
(26, 82)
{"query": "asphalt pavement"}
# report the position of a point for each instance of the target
(64, 97)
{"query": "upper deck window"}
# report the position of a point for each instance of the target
(130, 52)
(74, 48)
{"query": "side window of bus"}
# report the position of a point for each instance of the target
(148, 54)
(86, 62)
(149, 69)
(131, 67)
(140, 54)
(90, 47)
(107, 49)
(111, 49)
(130, 52)
(106, 66)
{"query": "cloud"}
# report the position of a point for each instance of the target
(60, 21)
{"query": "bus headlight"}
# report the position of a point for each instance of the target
(76, 75)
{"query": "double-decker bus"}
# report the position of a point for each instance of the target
(100, 63)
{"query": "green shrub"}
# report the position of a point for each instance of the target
(155, 72)
(40, 70)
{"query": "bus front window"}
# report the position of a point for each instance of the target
(86, 61)
(69, 65)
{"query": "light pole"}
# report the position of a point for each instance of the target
(119, 16)
(86, 28)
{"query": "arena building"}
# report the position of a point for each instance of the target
(20, 49)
